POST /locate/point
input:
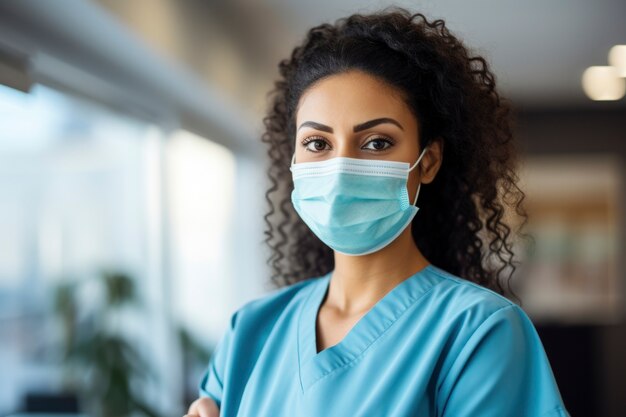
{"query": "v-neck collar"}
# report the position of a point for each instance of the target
(312, 365)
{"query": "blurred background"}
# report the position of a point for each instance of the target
(132, 187)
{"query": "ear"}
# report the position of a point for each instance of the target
(432, 161)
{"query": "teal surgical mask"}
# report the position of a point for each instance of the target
(355, 206)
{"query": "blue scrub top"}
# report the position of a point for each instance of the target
(435, 345)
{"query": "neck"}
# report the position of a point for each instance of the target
(358, 282)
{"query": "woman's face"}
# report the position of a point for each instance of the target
(355, 115)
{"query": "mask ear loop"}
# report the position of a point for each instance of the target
(410, 169)
(293, 158)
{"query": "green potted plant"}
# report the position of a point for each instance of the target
(101, 364)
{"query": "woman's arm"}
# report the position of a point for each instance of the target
(211, 386)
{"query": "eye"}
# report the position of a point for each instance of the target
(381, 143)
(318, 144)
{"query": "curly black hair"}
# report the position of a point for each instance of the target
(461, 226)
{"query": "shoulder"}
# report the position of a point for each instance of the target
(267, 308)
(464, 313)
(457, 298)
(492, 340)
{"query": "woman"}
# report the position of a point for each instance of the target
(376, 318)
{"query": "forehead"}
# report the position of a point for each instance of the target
(352, 95)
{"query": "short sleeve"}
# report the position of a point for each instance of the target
(502, 370)
(212, 382)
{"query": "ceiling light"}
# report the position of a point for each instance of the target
(617, 59)
(603, 83)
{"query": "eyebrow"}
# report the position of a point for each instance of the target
(356, 128)
(372, 123)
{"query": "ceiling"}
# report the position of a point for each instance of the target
(538, 51)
